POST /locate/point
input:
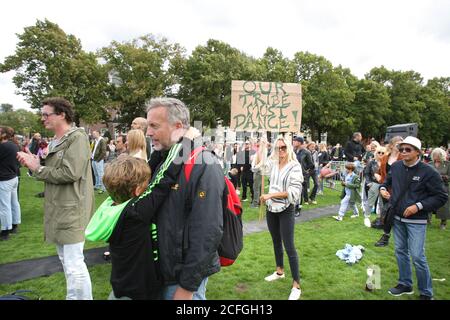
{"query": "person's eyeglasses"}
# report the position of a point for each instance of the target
(46, 115)
(282, 148)
(379, 152)
(407, 150)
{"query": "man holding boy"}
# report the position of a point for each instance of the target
(190, 221)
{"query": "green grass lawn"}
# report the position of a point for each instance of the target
(323, 276)
(29, 242)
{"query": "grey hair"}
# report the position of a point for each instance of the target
(176, 110)
(440, 152)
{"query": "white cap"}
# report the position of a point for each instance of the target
(413, 141)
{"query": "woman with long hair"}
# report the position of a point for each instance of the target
(439, 162)
(324, 159)
(137, 145)
(372, 179)
(392, 155)
(10, 214)
(284, 191)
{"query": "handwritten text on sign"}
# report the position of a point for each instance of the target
(269, 106)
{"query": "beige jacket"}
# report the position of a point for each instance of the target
(69, 193)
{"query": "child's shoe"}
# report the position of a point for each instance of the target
(338, 218)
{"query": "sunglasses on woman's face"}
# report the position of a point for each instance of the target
(379, 152)
(406, 149)
(281, 148)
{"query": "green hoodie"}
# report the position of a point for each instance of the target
(105, 218)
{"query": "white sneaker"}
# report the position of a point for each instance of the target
(274, 276)
(354, 215)
(367, 222)
(295, 294)
(338, 218)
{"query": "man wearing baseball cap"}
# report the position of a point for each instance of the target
(417, 189)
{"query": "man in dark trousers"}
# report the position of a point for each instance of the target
(305, 159)
(417, 189)
(244, 159)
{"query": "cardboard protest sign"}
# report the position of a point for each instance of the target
(265, 106)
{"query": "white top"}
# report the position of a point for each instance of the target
(140, 155)
(289, 179)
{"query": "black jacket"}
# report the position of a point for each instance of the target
(426, 187)
(190, 223)
(353, 149)
(9, 166)
(337, 156)
(305, 159)
(135, 271)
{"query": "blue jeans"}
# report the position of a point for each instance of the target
(9, 203)
(200, 294)
(409, 241)
(98, 173)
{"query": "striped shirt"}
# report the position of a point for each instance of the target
(289, 179)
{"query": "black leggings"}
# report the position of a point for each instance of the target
(387, 226)
(281, 228)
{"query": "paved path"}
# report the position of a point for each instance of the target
(46, 266)
(306, 215)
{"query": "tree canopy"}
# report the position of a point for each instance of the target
(122, 76)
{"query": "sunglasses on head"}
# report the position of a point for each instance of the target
(282, 148)
(405, 149)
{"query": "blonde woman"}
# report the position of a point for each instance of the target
(443, 167)
(387, 160)
(284, 191)
(324, 159)
(372, 180)
(137, 145)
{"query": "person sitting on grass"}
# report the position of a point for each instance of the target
(125, 220)
(350, 194)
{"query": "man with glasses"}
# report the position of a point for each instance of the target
(69, 194)
(417, 189)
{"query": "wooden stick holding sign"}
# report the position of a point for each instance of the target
(261, 162)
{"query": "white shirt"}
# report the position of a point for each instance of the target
(289, 179)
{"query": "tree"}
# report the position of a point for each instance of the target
(206, 81)
(6, 107)
(326, 96)
(435, 119)
(403, 88)
(23, 122)
(371, 107)
(48, 62)
(273, 67)
(142, 68)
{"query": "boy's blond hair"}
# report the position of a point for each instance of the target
(123, 175)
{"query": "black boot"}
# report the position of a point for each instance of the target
(4, 235)
(384, 241)
(14, 229)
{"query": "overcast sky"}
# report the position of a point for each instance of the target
(358, 34)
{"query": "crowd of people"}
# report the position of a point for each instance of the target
(164, 228)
